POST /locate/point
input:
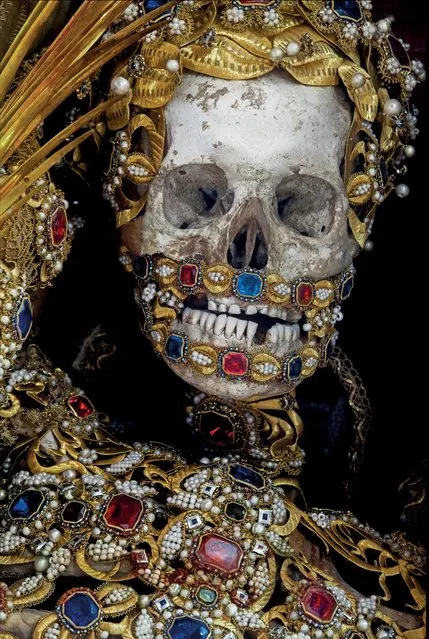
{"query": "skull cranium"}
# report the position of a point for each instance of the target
(251, 178)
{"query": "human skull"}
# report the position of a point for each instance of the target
(251, 179)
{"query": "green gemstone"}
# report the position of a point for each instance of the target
(207, 596)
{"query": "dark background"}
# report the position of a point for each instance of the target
(383, 333)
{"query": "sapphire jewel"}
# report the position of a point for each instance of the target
(347, 9)
(175, 347)
(346, 288)
(293, 368)
(247, 476)
(26, 504)
(24, 318)
(248, 285)
(188, 628)
(80, 610)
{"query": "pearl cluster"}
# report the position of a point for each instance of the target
(271, 18)
(143, 626)
(216, 276)
(164, 270)
(126, 464)
(282, 289)
(28, 585)
(118, 595)
(267, 368)
(107, 549)
(58, 563)
(201, 358)
(235, 15)
(177, 26)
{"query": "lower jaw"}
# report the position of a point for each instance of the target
(216, 362)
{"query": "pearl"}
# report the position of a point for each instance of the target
(276, 54)
(369, 245)
(144, 601)
(358, 80)
(172, 65)
(402, 190)
(41, 563)
(409, 151)
(392, 107)
(3, 494)
(120, 85)
(383, 26)
(362, 624)
(54, 534)
(69, 474)
(293, 48)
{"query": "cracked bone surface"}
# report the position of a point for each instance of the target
(251, 177)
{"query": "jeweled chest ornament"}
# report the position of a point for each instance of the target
(238, 324)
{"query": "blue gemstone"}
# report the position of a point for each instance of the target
(294, 368)
(174, 347)
(24, 318)
(246, 475)
(346, 288)
(347, 9)
(81, 610)
(188, 628)
(26, 504)
(151, 5)
(249, 285)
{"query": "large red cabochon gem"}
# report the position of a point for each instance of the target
(123, 512)
(319, 604)
(218, 552)
(188, 274)
(59, 226)
(304, 293)
(235, 364)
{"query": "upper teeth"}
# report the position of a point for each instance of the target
(229, 326)
(250, 309)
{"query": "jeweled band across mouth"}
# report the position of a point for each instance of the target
(238, 324)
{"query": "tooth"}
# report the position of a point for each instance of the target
(186, 313)
(295, 331)
(264, 310)
(222, 308)
(251, 330)
(272, 335)
(210, 321)
(194, 317)
(280, 331)
(203, 318)
(230, 326)
(284, 314)
(287, 334)
(272, 312)
(251, 310)
(212, 306)
(241, 327)
(219, 324)
(234, 309)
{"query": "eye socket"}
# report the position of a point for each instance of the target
(194, 194)
(306, 204)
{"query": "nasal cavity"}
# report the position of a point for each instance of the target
(248, 248)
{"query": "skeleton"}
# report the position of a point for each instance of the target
(251, 178)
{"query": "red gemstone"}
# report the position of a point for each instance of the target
(80, 406)
(235, 364)
(319, 604)
(139, 558)
(59, 226)
(188, 275)
(123, 512)
(217, 429)
(304, 293)
(214, 551)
